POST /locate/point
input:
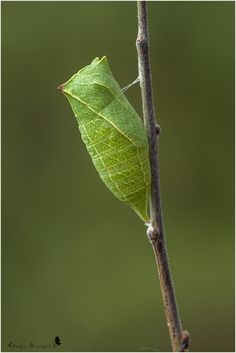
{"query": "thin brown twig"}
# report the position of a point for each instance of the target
(155, 231)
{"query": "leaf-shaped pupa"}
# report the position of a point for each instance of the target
(113, 133)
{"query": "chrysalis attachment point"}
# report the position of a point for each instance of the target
(131, 84)
(151, 234)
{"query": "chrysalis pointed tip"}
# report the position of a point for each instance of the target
(60, 88)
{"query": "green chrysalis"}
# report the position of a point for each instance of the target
(113, 133)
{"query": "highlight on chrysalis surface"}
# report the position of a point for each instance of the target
(113, 133)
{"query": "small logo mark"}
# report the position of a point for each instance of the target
(57, 340)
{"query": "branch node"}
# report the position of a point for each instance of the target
(158, 129)
(185, 340)
(142, 43)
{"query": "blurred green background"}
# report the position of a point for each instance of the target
(75, 261)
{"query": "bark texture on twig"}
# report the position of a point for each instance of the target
(156, 231)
